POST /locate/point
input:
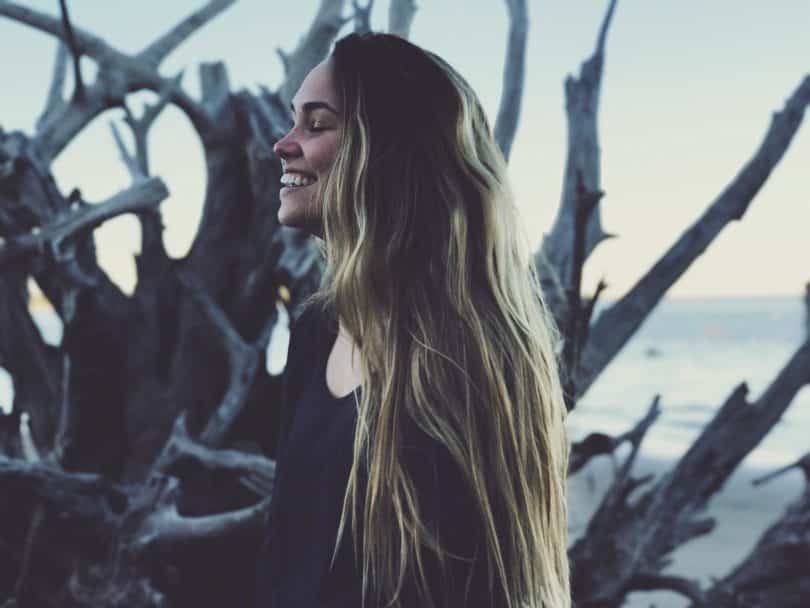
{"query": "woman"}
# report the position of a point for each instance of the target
(422, 457)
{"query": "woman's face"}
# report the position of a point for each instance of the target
(308, 149)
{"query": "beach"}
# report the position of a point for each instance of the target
(742, 512)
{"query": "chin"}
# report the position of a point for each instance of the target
(292, 219)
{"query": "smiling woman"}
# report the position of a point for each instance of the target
(308, 150)
(422, 402)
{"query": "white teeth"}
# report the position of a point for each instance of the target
(296, 179)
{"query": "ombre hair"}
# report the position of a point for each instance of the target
(430, 272)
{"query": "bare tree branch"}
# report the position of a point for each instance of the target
(631, 539)
(243, 360)
(164, 529)
(62, 492)
(313, 47)
(803, 463)
(400, 17)
(578, 318)
(255, 472)
(50, 237)
(55, 101)
(362, 16)
(119, 74)
(158, 50)
(775, 572)
(596, 444)
(617, 324)
(138, 163)
(70, 40)
(153, 254)
(513, 75)
(133, 164)
(215, 86)
(92, 502)
(554, 260)
(739, 426)
(69, 414)
(269, 118)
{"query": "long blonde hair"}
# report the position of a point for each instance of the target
(430, 272)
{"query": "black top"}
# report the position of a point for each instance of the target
(313, 461)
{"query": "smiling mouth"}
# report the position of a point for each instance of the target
(293, 180)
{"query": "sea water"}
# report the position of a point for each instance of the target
(693, 353)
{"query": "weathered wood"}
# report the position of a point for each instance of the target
(75, 52)
(554, 259)
(514, 75)
(577, 317)
(158, 50)
(55, 101)
(119, 74)
(312, 48)
(184, 457)
(400, 17)
(79, 220)
(627, 544)
(775, 573)
(615, 325)
(137, 531)
(362, 16)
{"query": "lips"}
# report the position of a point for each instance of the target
(295, 171)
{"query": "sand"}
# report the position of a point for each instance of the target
(742, 511)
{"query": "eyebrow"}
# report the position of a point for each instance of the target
(314, 105)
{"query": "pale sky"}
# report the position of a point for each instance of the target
(689, 90)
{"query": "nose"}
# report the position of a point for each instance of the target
(287, 147)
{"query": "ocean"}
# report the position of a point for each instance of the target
(692, 352)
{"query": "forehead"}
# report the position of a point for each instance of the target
(318, 85)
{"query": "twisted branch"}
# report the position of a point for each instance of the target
(158, 50)
(513, 76)
(54, 102)
(243, 360)
(617, 324)
(119, 74)
(70, 40)
(400, 17)
(313, 47)
(141, 196)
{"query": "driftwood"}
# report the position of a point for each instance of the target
(514, 74)
(628, 540)
(554, 259)
(149, 466)
(633, 532)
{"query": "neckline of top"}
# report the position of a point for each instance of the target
(327, 340)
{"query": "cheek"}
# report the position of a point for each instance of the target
(324, 154)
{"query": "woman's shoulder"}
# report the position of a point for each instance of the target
(308, 324)
(307, 315)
